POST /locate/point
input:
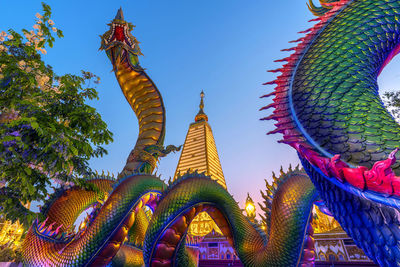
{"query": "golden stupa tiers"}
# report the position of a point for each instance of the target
(200, 153)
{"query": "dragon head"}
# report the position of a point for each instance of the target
(120, 45)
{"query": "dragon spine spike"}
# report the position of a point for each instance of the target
(272, 105)
(294, 41)
(275, 70)
(262, 194)
(51, 226)
(288, 49)
(268, 95)
(281, 171)
(270, 83)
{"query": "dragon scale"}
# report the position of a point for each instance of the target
(68, 204)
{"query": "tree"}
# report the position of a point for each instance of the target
(47, 131)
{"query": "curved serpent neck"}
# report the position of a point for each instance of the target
(146, 102)
(329, 86)
(335, 95)
(141, 93)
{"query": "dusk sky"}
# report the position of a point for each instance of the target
(223, 47)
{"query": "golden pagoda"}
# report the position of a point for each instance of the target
(322, 223)
(200, 153)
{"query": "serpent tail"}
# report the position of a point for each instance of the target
(196, 193)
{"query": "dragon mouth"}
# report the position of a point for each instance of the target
(119, 36)
(120, 45)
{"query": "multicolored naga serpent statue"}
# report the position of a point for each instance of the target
(326, 106)
(119, 203)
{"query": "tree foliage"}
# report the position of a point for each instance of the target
(47, 131)
(392, 102)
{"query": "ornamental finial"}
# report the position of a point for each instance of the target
(201, 116)
(120, 14)
(201, 101)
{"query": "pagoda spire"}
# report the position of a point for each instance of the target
(201, 116)
(199, 153)
(199, 150)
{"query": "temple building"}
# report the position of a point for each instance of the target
(200, 154)
(215, 247)
(333, 245)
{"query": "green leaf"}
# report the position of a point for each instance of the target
(74, 151)
(41, 43)
(34, 125)
(28, 170)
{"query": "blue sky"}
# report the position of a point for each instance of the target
(223, 47)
